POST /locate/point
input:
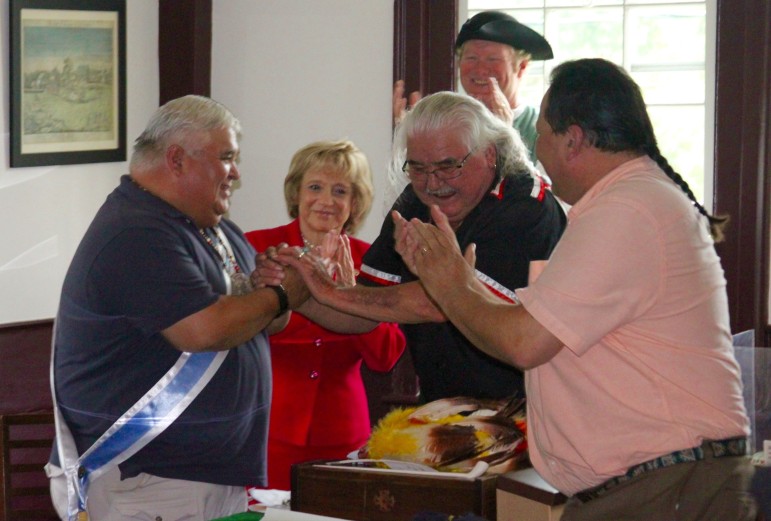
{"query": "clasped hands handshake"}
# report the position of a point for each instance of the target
(329, 264)
(431, 252)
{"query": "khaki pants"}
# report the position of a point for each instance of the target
(150, 498)
(713, 489)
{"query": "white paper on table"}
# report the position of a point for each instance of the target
(405, 468)
(270, 497)
(280, 514)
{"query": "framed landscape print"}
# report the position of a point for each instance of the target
(67, 81)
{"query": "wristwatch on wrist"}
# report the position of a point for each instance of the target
(283, 299)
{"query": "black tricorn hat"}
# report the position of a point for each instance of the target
(495, 26)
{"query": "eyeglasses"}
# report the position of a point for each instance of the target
(444, 170)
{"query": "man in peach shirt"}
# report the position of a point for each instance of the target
(635, 404)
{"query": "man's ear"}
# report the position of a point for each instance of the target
(491, 156)
(175, 155)
(574, 140)
(522, 67)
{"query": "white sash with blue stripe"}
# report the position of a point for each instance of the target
(137, 427)
(145, 420)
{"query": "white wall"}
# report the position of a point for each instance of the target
(298, 71)
(44, 211)
(293, 71)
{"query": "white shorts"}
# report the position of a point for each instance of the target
(150, 498)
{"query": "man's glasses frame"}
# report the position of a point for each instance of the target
(443, 170)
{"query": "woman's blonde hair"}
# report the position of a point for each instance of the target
(342, 156)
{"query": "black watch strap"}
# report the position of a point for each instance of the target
(283, 299)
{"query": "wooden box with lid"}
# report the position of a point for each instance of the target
(362, 495)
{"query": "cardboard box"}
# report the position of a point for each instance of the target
(360, 495)
(524, 496)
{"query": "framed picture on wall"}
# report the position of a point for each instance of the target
(67, 82)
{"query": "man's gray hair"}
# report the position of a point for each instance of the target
(478, 127)
(176, 121)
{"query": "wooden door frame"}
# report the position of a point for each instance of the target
(743, 157)
(184, 48)
(424, 44)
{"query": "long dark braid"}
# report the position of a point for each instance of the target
(602, 99)
(717, 223)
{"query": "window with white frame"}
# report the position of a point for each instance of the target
(666, 46)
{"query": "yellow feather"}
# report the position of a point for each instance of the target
(450, 435)
(389, 439)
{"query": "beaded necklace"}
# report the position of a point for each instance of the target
(222, 247)
(240, 282)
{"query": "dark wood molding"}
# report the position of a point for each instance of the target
(424, 57)
(25, 351)
(743, 156)
(424, 40)
(184, 48)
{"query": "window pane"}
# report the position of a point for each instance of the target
(670, 87)
(680, 134)
(583, 33)
(533, 85)
(650, 38)
(482, 5)
(582, 3)
(629, 2)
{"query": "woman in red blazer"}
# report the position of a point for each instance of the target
(319, 408)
